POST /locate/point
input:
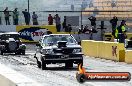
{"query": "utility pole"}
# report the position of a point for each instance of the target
(81, 16)
(28, 5)
(102, 30)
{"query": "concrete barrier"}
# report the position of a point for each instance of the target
(94, 49)
(128, 56)
(86, 47)
(9, 77)
(113, 51)
(102, 49)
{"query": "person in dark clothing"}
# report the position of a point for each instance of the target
(35, 18)
(50, 20)
(93, 21)
(57, 21)
(121, 30)
(64, 24)
(80, 29)
(69, 28)
(114, 24)
(26, 16)
(86, 30)
(7, 15)
(15, 16)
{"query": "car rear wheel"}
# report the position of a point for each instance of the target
(23, 52)
(17, 53)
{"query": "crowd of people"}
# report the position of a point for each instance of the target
(28, 17)
(117, 31)
(15, 15)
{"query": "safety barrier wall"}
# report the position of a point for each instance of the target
(86, 46)
(102, 49)
(9, 77)
(128, 56)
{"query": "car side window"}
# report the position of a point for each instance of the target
(46, 40)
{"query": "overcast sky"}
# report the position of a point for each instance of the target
(36, 4)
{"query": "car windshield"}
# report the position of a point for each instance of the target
(7, 36)
(55, 38)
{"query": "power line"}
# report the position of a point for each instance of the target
(88, 11)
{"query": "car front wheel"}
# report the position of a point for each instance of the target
(39, 64)
(81, 78)
(43, 64)
(81, 62)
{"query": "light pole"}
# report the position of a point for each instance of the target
(28, 5)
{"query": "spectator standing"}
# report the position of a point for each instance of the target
(15, 16)
(114, 24)
(121, 32)
(34, 18)
(26, 16)
(69, 28)
(64, 24)
(57, 21)
(50, 19)
(93, 21)
(7, 15)
(80, 29)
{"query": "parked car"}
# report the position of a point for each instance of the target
(58, 48)
(10, 43)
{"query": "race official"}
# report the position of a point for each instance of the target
(120, 32)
